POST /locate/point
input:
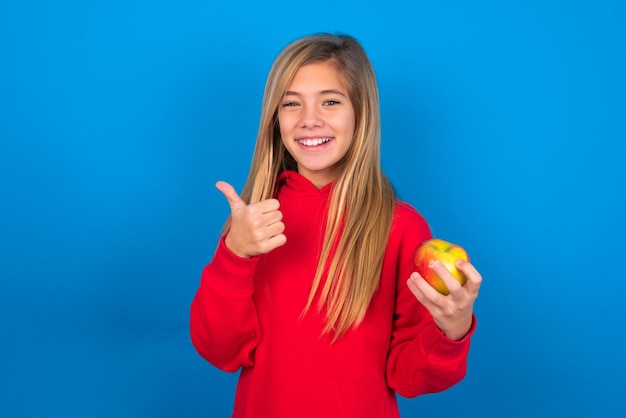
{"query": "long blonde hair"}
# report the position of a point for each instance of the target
(362, 200)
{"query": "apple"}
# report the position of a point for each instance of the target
(443, 251)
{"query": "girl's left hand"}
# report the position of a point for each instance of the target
(452, 313)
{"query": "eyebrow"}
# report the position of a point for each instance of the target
(323, 92)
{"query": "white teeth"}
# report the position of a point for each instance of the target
(313, 142)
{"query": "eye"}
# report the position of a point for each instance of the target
(289, 104)
(331, 102)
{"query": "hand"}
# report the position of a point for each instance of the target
(255, 229)
(452, 313)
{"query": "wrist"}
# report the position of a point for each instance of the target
(459, 332)
(233, 249)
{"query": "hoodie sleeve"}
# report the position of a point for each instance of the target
(223, 322)
(421, 358)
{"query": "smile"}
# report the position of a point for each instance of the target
(313, 142)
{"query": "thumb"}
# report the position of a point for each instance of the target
(231, 195)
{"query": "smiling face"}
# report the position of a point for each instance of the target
(317, 121)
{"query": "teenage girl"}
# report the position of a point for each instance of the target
(311, 292)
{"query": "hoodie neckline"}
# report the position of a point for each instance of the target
(294, 181)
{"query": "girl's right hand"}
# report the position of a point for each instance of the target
(254, 229)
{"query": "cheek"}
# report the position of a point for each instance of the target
(284, 135)
(285, 124)
(349, 126)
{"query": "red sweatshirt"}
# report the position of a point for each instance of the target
(246, 315)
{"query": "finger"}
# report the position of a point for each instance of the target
(424, 292)
(275, 229)
(271, 218)
(272, 243)
(414, 288)
(474, 278)
(277, 241)
(266, 206)
(231, 195)
(448, 279)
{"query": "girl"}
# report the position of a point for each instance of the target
(310, 291)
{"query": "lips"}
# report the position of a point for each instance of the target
(313, 142)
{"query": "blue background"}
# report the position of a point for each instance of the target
(503, 123)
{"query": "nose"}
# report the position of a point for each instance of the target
(310, 117)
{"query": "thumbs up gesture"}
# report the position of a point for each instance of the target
(255, 229)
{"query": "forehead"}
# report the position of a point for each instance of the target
(323, 75)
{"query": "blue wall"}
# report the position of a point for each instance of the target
(503, 122)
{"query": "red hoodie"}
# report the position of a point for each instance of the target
(246, 315)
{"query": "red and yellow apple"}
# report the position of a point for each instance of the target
(445, 252)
